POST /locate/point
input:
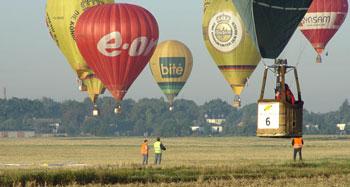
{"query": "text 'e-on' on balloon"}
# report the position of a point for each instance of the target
(117, 41)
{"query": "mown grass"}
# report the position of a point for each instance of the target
(140, 174)
(187, 161)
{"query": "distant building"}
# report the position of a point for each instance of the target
(341, 128)
(216, 128)
(197, 128)
(46, 135)
(215, 124)
(17, 133)
(54, 127)
(310, 126)
(215, 121)
(47, 120)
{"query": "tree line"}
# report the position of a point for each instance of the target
(149, 116)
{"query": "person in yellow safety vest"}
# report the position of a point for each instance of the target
(144, 152)
(158, 147)
(297, 144)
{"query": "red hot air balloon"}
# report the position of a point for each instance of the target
(117, 41)
(322, 21)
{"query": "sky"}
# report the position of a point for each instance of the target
(33, 67)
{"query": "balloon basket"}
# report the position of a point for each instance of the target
(279, 118)
(95, 112)
(118, 110)
(83, 88)
(318, 59)
(237, 102)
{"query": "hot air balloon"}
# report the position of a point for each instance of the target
(230, 45)
(322, 21)
(117, 41)
(171, 65)
(61, 17)
(271, 25)
(94, 88)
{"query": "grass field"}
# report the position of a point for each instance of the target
(214, 161)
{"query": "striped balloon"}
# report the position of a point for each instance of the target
(229, 43)
(171, 65)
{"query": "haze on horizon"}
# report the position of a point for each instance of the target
(33, 67)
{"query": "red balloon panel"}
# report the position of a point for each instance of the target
(117, 41)
(322, 21)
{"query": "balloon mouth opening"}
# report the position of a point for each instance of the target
(237, 88)
(319, 48)
(118, 94)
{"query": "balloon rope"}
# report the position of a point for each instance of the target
(301, 50)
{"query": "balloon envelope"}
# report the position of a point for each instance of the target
(229, 43)
(61, 18)
(94, 85)
(171, 65)
(271, 23)
(117, 41)
(206, 4)
(322, 21)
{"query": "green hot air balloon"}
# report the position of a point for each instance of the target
(230, 45)
(171, 65)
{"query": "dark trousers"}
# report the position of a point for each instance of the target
(295, 154)
(158, 158)
(144, 159)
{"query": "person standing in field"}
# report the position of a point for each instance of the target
(158, 147)
(144, 152)
(297, 144)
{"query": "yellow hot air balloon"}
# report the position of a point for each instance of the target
(61, 17)
(206, 4)
(230, 45)
(94, 86)
(171, 65)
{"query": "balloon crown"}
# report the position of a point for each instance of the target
(223, 17)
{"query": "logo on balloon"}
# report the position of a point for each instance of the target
(326, 20)
(110, 44)
(172, 67)
(225, 31)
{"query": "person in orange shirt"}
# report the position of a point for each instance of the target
(289, 95)
(144, 152)
(297, 143)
